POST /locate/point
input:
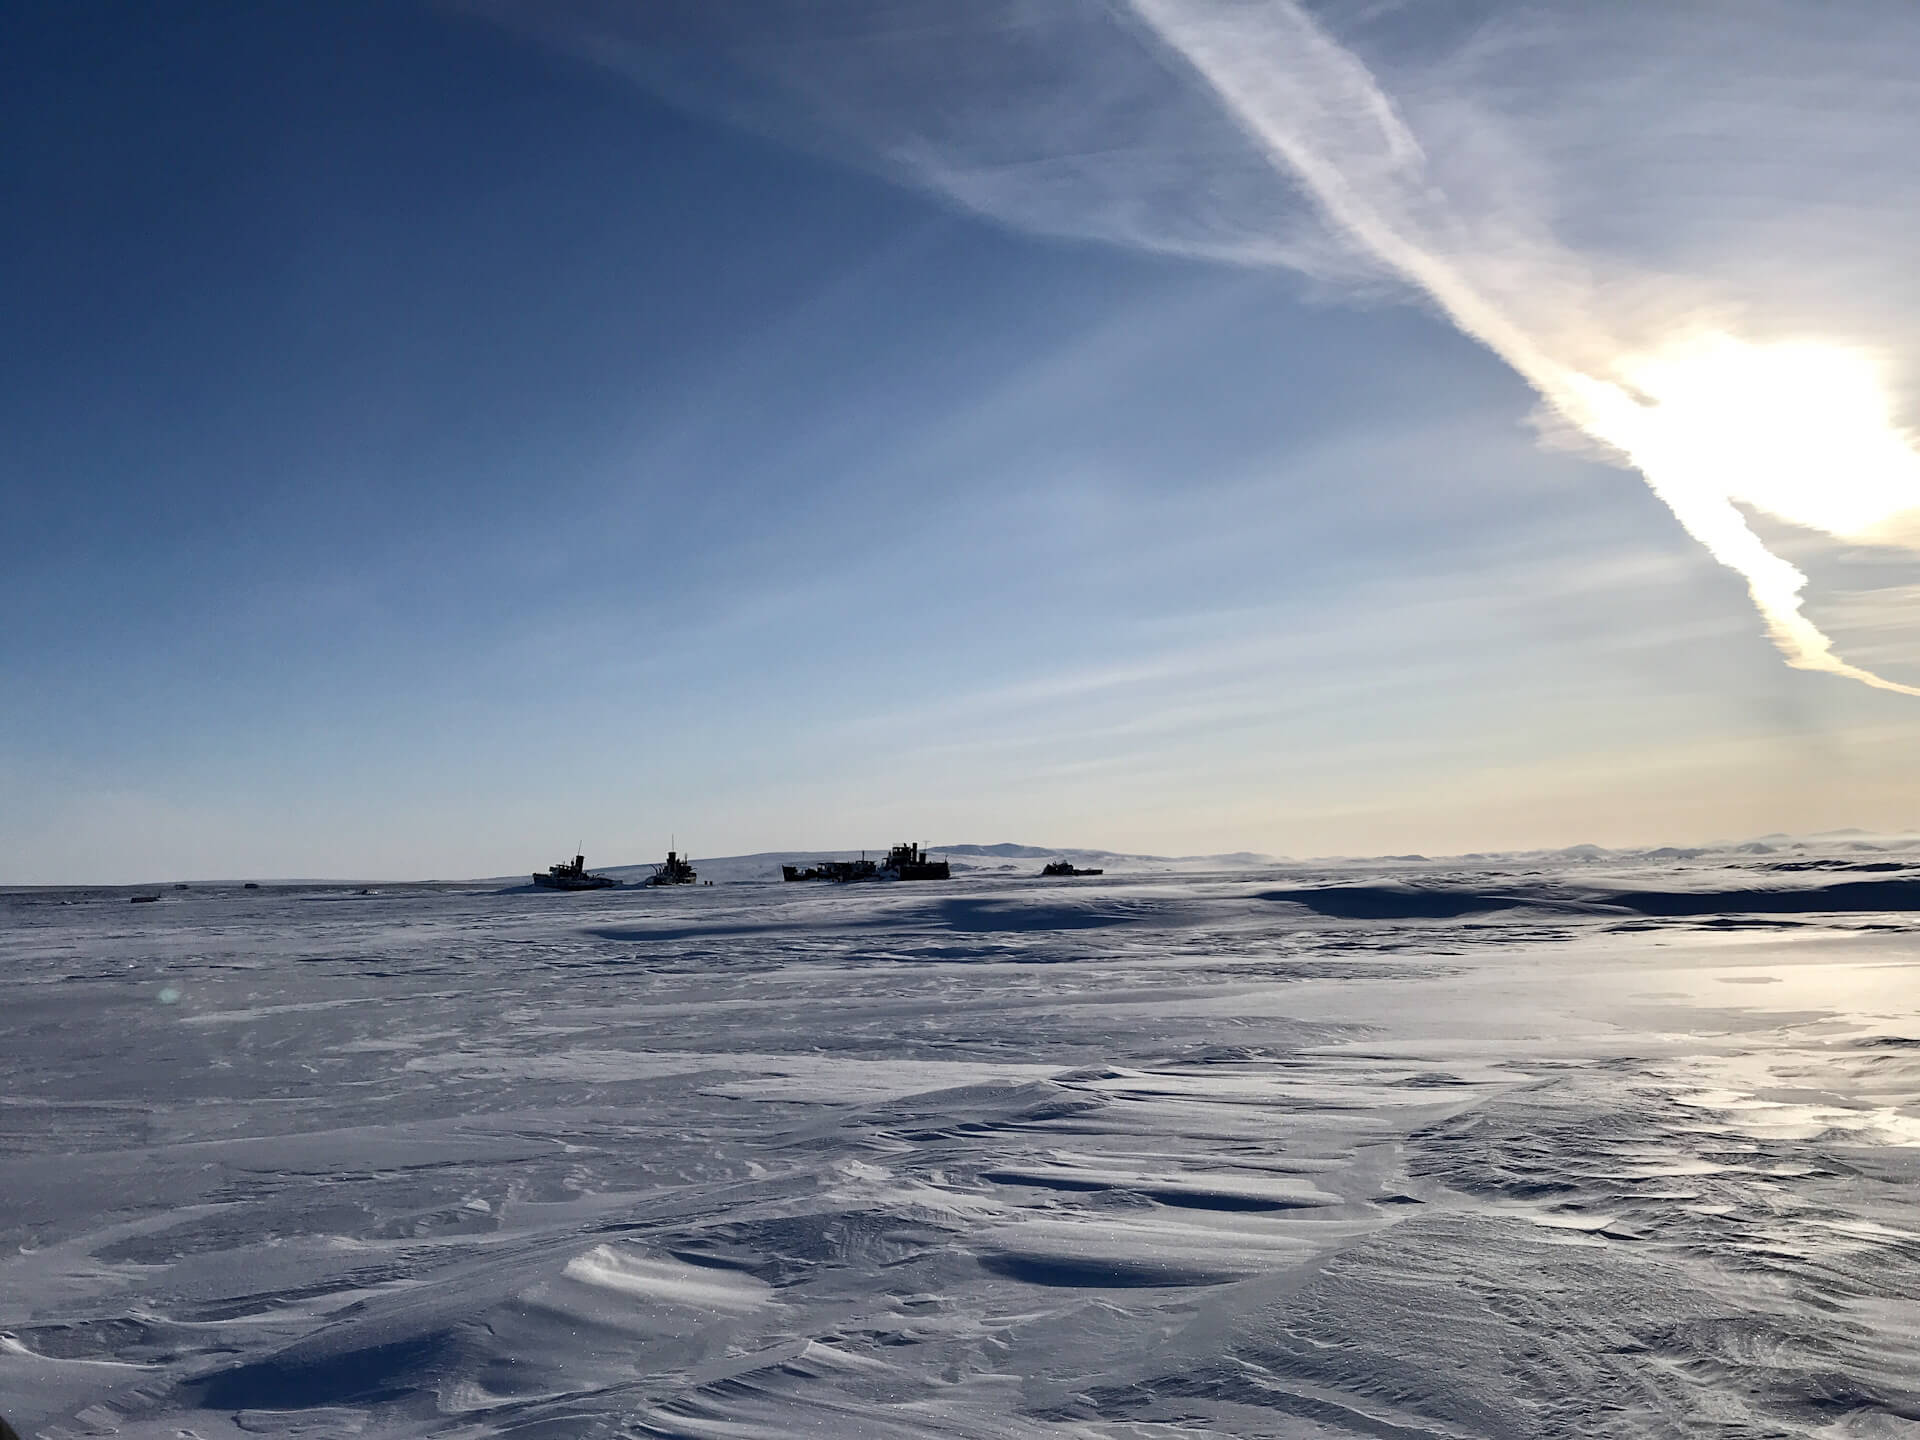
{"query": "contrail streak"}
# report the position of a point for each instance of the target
(1317, 111)
(1050, 116)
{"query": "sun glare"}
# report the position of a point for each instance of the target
(1802, 430)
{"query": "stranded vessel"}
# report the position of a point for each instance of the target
(676, 869)
(903, 862)
(840, 871)
(572, 875)
(1055, 869)
(910, 862)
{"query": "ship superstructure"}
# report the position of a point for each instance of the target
(676, 869)
(910, 862)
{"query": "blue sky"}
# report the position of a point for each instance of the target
(423, 449)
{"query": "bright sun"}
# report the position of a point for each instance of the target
(1803, 430)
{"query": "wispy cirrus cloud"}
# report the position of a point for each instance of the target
(1678, 229)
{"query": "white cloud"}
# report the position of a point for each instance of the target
(1245, 131)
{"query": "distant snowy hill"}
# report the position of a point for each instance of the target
(1007, 850)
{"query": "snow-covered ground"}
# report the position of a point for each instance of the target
(1429, 1151)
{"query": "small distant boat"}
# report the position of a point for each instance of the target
(1060, 869)
(142, 899)
(250, 885)
(676, 869)
(573, 875)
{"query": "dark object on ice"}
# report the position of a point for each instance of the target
(142, 899)
(910, 862)
(675, 870)
(1056, 868)
(839, 871)
(903, 862)
(572, 875)
(250, 886)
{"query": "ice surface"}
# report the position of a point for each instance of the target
(1390, 1151)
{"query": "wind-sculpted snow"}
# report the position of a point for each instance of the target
(1394, 1152)
(1448, 898)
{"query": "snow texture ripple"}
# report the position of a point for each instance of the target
(1414, 1153)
